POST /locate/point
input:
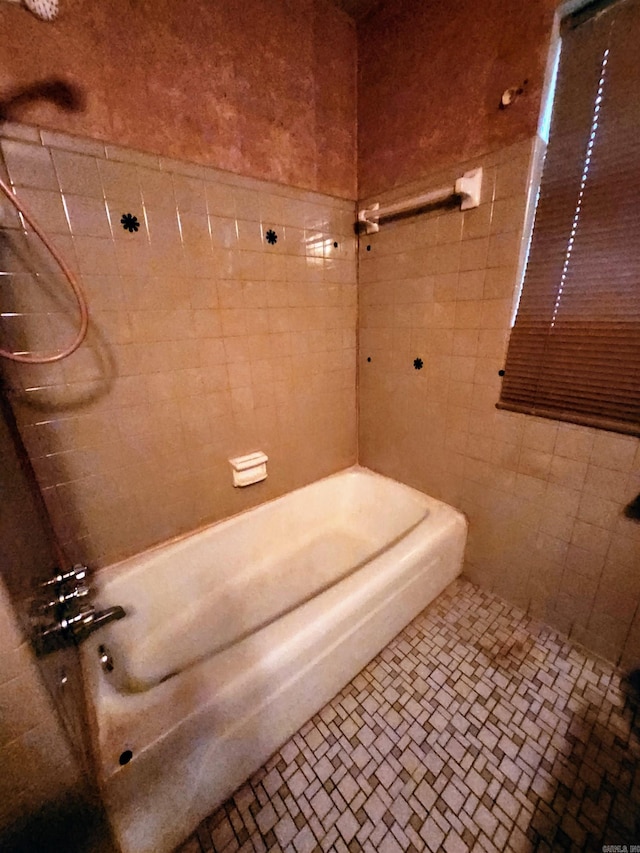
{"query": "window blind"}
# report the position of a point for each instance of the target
(574, 351)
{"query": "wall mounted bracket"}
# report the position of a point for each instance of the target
(468, 188)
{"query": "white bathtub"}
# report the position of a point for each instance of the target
(238, 634)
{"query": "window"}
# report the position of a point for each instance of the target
(574, 351)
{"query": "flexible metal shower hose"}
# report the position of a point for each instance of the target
(75, 286)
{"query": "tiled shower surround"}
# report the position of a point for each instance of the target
(206, 341)
(476, 729)
(544, 499)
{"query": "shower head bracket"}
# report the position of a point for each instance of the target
(46, 10)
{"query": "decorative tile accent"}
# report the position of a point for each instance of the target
(202, 337)
(129, 222)
(476, 728)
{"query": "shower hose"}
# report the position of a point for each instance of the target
(75, 286)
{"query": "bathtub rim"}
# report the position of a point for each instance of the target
(106, 690)
(115, 569)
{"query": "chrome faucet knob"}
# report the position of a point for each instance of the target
(65, 596)
(80, 620)
(80, 573)
(77, 573)
(58, 579)
(63, 612)
(81, 590)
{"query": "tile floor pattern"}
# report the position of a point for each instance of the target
(476, 728)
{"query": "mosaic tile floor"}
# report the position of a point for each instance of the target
(475, 729)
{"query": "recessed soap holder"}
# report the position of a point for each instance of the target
(249, 469)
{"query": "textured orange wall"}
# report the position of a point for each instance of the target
(264, 88)
(430, 79)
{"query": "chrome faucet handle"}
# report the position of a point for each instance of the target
(78, 573)
(80, 620)
(79, 592)
(56, 580)
(66, 592)
(81, 572)
(89, 620)
(63, 613)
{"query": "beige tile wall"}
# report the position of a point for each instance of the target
(44, 751)
(543, 498)
(205, 341)
(37, 765)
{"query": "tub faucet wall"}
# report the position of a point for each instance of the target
(42, 742)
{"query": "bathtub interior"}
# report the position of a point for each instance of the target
(203, 594)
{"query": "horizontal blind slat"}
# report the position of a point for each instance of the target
(574, 350)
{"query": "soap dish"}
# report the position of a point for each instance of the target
(249, 469)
